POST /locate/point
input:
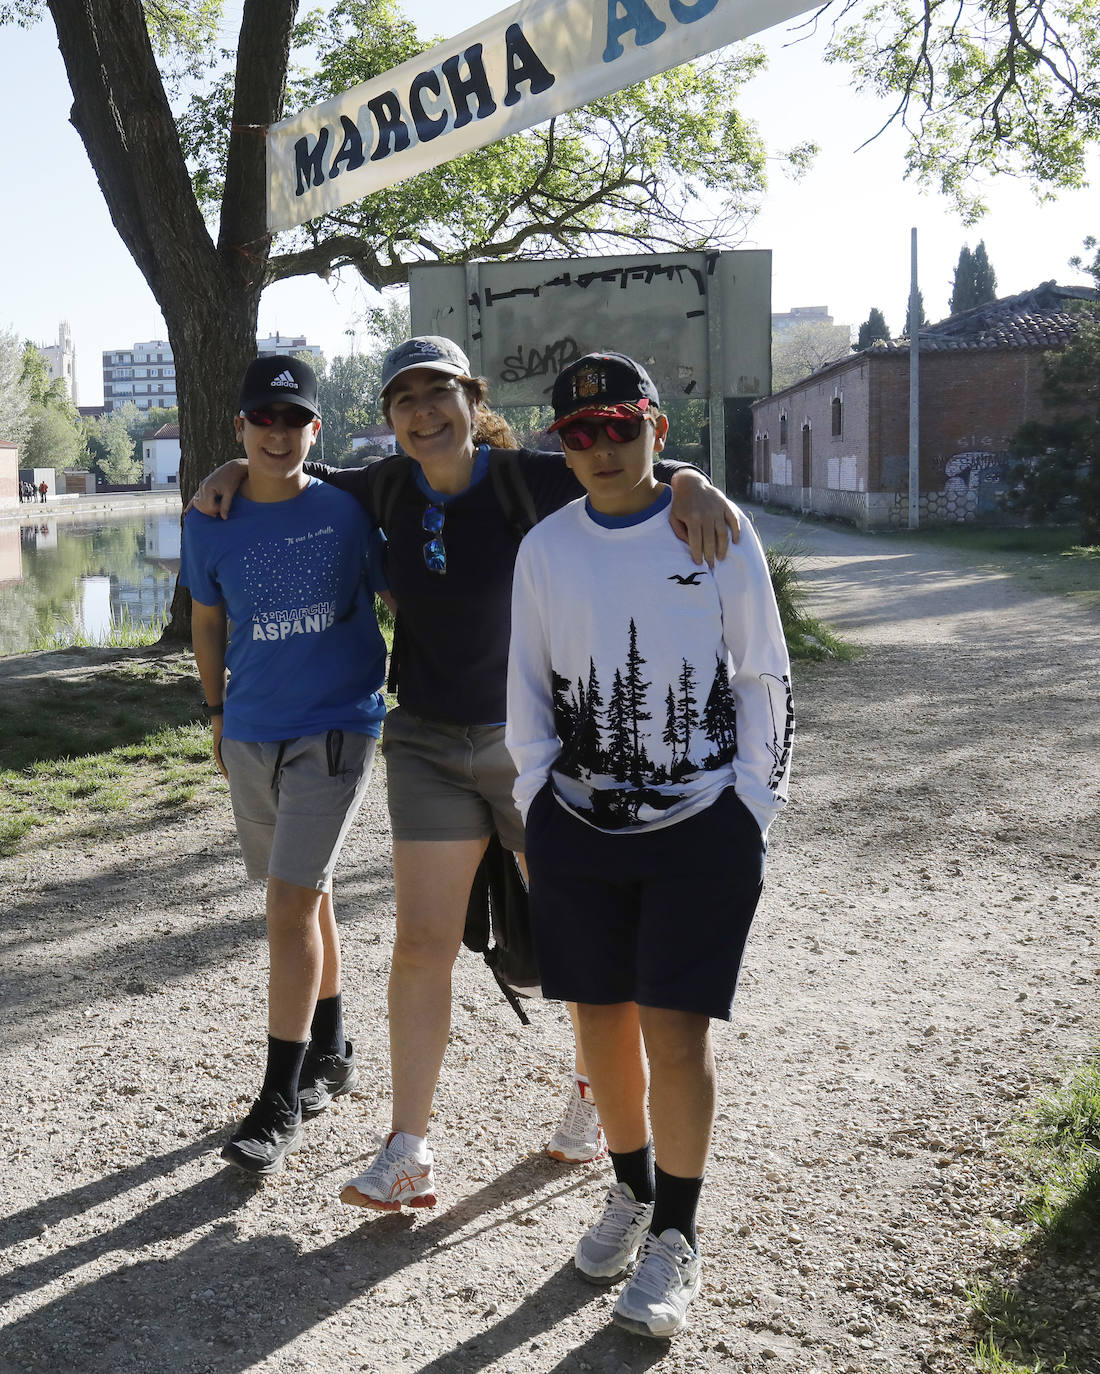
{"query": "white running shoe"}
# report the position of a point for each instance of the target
(580, 1138)
(606, 1251)
(394, 1180)
(654, 1302)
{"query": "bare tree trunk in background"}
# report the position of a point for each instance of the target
(208, 293)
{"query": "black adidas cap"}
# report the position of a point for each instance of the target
(279, 378)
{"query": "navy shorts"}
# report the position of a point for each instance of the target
(657, 917)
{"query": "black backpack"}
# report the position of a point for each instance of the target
(498, 917)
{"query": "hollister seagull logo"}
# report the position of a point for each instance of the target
(284, 379)
(688, 581)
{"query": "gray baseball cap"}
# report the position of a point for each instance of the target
(426, 350)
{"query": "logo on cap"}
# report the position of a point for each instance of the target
(590, 382)
(284, 379)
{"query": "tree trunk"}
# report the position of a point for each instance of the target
(209, 294)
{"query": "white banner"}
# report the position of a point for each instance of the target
(519, 68)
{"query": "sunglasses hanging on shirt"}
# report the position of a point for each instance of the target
(435, 551)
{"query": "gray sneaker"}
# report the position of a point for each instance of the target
(606, 1251)
(654, 1302)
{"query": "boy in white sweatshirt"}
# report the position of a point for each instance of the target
(650, 720)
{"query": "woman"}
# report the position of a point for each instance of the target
(451, 550)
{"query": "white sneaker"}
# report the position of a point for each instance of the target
(606, 1251)
(580, 1138)
(654, 1302)
(396, 1178)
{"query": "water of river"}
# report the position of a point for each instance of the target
(58, 575)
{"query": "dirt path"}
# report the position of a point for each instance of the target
(924, 962)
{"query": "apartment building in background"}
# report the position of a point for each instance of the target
(60, 358)
(145, 373)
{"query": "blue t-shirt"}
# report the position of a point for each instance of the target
(297, 579)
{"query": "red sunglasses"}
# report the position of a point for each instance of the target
(582, 434)
(295, 417)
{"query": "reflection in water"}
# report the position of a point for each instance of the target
(87, 577)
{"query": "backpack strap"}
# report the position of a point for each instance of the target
(393, 474)
(511, 489)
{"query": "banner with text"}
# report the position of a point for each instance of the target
(523, 66)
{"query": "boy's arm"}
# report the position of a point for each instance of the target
(530, 733)
(761, 682)
(208, 639)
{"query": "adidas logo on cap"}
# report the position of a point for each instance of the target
(284, 379)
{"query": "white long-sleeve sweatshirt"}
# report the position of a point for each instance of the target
(640, 683)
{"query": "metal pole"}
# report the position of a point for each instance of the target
(716, 408)
(914, 390)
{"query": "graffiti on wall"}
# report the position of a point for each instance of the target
(968, 471)
(539, 361)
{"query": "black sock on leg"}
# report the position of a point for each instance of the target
(284, 1065)
(675, 1204)
(635, 1169)
(326, 1033)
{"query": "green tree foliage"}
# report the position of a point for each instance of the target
(985, 279)
(975, 282)
(982, 87)
(15, 401)
(349, 388)
(1059, 467)
(111, 443)
(54, 438)
(921, 320)
(872, 329)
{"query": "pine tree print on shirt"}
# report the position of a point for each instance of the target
(630, 773)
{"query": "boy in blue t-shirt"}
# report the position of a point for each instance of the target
(283, 598)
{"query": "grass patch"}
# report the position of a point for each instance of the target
(83, 746)
(1028, 1312)
(807, 637)
(127, 633)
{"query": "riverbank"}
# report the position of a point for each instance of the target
(922, 968)
(77, 508)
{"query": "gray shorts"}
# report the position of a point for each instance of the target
(294, 802)
(449, 782)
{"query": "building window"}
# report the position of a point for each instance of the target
(838, 417)
(783, 440)
(767, 453)
(807, 455)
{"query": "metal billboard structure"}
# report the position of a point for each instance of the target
(700, 322)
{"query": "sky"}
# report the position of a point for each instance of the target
(840, 236)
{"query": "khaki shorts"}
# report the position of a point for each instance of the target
(449, 782)
(294, 802)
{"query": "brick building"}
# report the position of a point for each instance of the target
(837, 442)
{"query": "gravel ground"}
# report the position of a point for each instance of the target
(923, 965)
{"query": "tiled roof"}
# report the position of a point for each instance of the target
(167, 432)
(1040, 318)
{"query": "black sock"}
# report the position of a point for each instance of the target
(635, 1169)
(326, 1034)
(676, 1202)
(284, 1064)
